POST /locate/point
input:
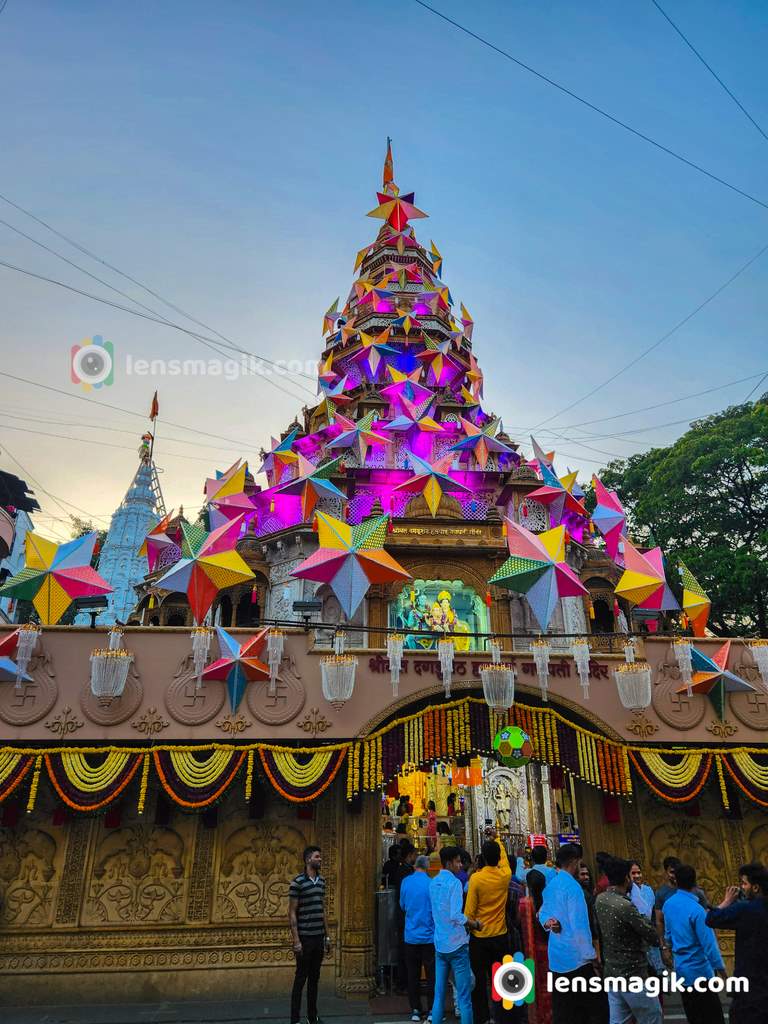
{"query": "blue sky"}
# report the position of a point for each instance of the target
(226, 154)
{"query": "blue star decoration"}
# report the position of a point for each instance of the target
(239, 663)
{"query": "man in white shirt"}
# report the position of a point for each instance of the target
(565, 916)
(452, 928)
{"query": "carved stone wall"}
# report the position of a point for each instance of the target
(174, 905)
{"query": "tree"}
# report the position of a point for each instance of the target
(705, 501)
(80, 527)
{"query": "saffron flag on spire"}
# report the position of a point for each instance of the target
(389, 167)
(155, 408)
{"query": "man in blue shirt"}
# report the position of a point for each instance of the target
(451, 936)
(564, 915)
(419, 935)
(747, 914)
(694, 948)
(539, 856)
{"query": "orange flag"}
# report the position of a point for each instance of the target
(389, 170)
(153, 412)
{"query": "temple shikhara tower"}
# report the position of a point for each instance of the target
(400, 601)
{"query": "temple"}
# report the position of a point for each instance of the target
(402, 600)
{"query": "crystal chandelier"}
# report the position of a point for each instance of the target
(683, 655)
(275, 648)
(338, 678)
(759, 651)
(634, 685)
(581, 656)
(395, 643)
(629, 650)
(109, 673)
(339, 642)
(498, 686)
(494, 646)
(26, 642)
(115, 638)
(201, 644)
(445, 652)
(541, 651)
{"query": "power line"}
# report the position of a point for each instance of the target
(659, 405)
(709, 68)
(665, 337)
(118, 408)
(209, 342)
(110, 266)
(755, 388)
(36, 482)
(591, 106)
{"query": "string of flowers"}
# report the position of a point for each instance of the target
(35, 784)
(143, 784)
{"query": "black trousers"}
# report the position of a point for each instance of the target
(308, 964)
(483, 954)
(579, 1007)
(418, 955)
(702, 1007)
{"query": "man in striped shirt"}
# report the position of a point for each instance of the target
(306, 915)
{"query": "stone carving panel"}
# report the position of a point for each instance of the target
(34, 699)
(751, 709)
(187, 703)
(28, 868)
(137, 875)
(256, 860)
(117, 710)
(673, 708)
(286, 702)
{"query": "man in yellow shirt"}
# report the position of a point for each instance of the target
(487, 902)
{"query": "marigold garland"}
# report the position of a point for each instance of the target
(144, 783)
(35, 783)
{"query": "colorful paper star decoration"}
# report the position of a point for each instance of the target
(157, 541)
(553, 494)
(350, 558)
(240, 663)
(280, 455)
(312, 483)
(481, 441)
(358, 435)
(712, 678)
(8, 667)
(696, 604)
(395, 209)
(432, 480)
(55, 575)
(643, 582)
(231, 481)
(609, 517)
(536, 567)
(208, 564)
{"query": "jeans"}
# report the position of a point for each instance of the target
(703, 1008)
(308, 964)
(458, 962)
(416, 956)
(634, 1006)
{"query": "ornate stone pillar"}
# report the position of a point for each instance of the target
(360, 858)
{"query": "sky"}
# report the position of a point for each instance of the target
(225, 155)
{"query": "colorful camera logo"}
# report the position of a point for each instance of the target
(92, 364)
(513, 981)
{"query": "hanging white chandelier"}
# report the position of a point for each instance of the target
(445, 652)
(26, 642)
(395, 643)
(581, 657)
(629, 650)
(498, 686)
(275, 648)
(201, 645)
(541, 651)
(683, 655)
(494, 647)
(759, 651)
(338, 678)
(634, 685)
(109, 673)
(115, 638)
(339, 642)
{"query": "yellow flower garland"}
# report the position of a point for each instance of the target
(9, 759)
(674, 776)
(302, 775)
(197, 774)
(92, 780)
(756, 774)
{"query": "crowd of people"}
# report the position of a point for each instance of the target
(604, 952)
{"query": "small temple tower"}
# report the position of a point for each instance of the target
(120, 563)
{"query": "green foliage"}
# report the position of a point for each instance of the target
(705, 501)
